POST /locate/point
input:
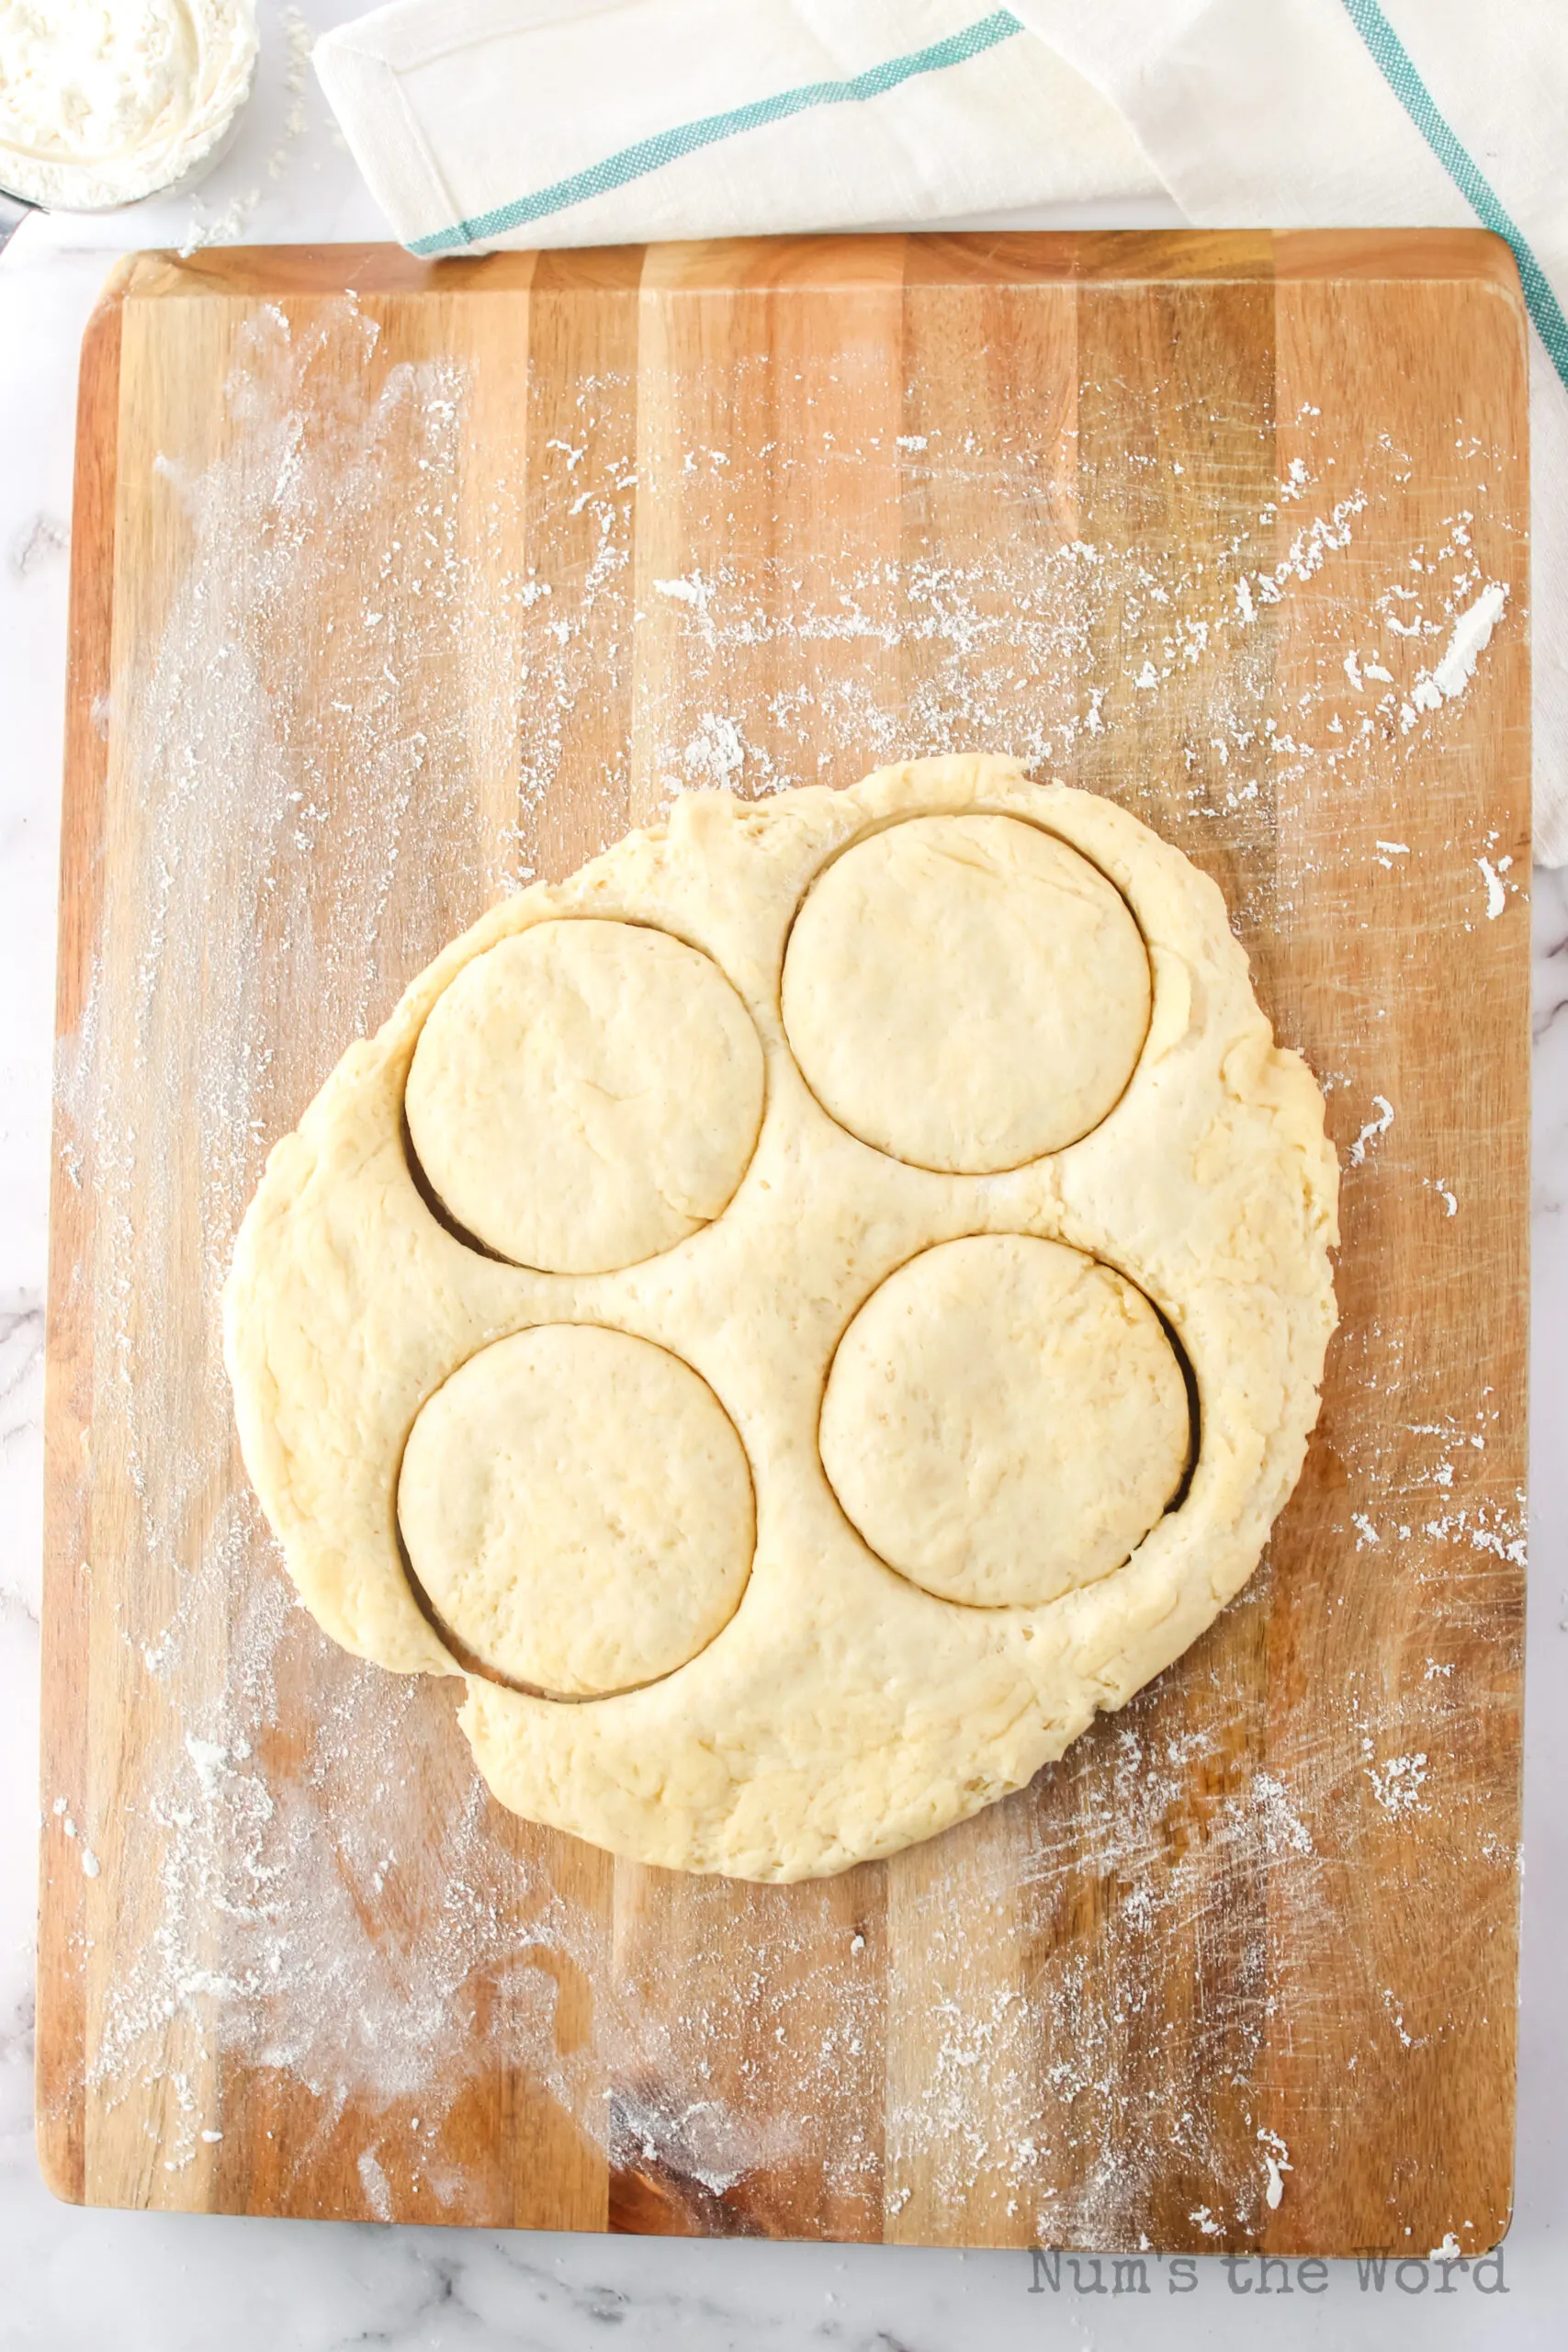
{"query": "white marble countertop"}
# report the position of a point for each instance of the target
(93, 2278)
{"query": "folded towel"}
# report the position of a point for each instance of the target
(482, 123)
(488, 123)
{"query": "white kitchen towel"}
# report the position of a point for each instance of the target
(482, 123)
(487, 123)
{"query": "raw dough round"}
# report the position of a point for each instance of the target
(1005, 1419)
(965, 992)
(577, 1507)
(843, 1711)
(586, 1095)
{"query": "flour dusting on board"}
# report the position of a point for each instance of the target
(357, 688)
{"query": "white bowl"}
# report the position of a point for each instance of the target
(127, 99)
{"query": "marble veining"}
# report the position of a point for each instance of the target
(168, 2283)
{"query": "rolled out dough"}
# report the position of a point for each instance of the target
(928, 988)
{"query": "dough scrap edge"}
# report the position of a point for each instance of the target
(794, 1773)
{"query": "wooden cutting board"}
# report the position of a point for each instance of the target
(397, 584)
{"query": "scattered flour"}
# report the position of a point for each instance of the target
(1472, 635)
(1496, 896)
(376, 2187)
(1376, 1127)
(1276, 2159)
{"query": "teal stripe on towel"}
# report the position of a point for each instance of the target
(668, 146)
(1394, 63)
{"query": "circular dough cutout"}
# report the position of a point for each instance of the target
(965, 992)
(1005, 1420)
(585, 1094)
(577, 1508)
